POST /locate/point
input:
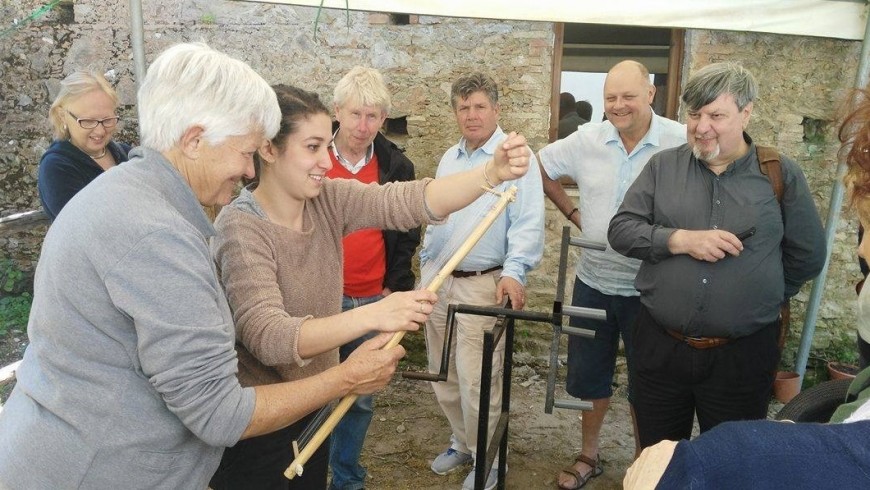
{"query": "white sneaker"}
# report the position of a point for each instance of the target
(491, 480)
(450, 460)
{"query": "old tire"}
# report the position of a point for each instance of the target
(816, 404)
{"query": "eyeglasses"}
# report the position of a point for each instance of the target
(107, 122)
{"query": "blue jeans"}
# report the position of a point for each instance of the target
(350, 433)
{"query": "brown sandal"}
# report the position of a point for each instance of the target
(579, 479)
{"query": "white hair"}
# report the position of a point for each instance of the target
(364, 86)
(191, 84)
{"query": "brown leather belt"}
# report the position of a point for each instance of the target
(698, 342)
(461, 274)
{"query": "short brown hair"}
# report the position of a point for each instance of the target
(471, 83)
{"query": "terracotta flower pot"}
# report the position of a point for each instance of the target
(786, 385)
(840, 370)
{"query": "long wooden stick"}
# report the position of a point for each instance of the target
(344, 405)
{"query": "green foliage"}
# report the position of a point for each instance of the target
(10, 275)
(415, 347)
(841, 349)
(14, 311)
(208, 18)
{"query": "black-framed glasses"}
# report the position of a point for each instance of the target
(107, 122)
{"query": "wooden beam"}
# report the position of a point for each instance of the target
(22, 221)
(559, 34)
(675, 73)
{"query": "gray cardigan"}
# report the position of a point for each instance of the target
(130, 377)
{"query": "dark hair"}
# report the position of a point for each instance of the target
(566, 104)
(855, 135)
(711, 81)
(296, 104)
(584, 108)
(471, 83)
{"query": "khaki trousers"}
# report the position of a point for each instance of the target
(459, 395)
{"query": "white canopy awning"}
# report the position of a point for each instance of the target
(843, 19)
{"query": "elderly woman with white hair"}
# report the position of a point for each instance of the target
(129, 380)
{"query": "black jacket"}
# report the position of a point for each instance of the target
(400, 246)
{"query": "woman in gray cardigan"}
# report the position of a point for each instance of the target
(130, 377)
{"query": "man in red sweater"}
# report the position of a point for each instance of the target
(376, 262)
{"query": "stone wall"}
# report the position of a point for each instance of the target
(419, 60)
(802, 80)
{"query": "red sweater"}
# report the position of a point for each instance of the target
(365, 258)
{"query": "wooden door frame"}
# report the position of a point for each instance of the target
(559, 32)
(675, 73)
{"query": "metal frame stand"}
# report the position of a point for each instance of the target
(504, 326)
(559, 309)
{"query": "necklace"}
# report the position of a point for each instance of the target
(97, 157)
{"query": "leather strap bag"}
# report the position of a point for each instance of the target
(770, 166)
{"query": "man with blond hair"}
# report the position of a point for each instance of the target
(604, 159)
(376, 262)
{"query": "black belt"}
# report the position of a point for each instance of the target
(461, 274)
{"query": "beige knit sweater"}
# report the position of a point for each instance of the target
(275, 278)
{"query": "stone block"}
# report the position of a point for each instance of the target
(378, 18)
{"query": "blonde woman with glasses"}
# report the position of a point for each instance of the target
(84, 118)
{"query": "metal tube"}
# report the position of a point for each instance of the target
(483, 404)
(833, 219)
(584, 312)
(137, 40)
(584, 243)
(501, 429)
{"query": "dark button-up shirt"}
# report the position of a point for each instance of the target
(737, 295)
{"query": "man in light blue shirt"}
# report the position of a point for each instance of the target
(604, 159)
(494, 271)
